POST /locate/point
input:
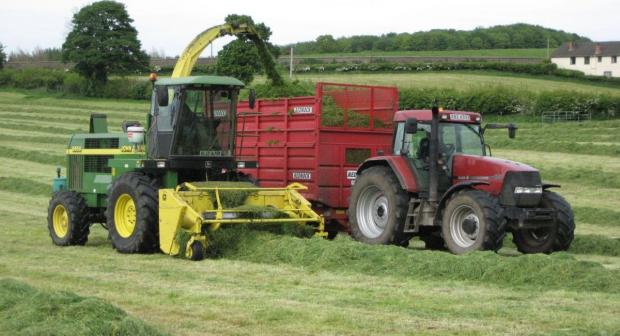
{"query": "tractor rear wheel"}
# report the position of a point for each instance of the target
(472, 220)
(67, 219)
(378, 208)
(132, 214)
(547, 239)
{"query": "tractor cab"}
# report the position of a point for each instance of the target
(192, 122)
(459, 133)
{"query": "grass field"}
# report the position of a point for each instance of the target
(537, 53)
(262, 283)
(461, 81)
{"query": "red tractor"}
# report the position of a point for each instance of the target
(439, 182)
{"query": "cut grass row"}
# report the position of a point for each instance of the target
(25, 310)
(236, 297)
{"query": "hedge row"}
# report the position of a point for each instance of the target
(488, 100)
(544, 68)
(501, 100)
(72, 84)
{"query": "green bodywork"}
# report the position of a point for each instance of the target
(95, 159)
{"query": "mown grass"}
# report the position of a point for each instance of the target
(34, 156)
(24, 186)
(557, 271)
(25, 310)
(263, 283)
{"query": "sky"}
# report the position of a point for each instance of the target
(167, 26)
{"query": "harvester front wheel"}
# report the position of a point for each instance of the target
(132, 214)
(67, 219)
(557, 237)
(378, 208)
(197, 251)
(472, 220)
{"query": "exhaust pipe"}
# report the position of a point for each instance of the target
(434, 157)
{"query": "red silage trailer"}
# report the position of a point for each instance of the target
(318, 141)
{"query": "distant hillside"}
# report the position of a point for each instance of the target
(515, 36)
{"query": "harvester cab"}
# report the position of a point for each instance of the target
(441, 184)
(191, 126)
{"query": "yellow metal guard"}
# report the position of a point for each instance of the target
(191, 205)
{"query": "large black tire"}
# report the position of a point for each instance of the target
(67, 219)
(473, 220)
(550, 238)
(378, 208)
(132, 214)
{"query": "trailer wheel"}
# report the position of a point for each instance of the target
(472, 220)
(378, 208)
(547, 239)
(67, 219)
(132, 214)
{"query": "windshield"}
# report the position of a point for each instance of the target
(453, 138)
(204, 126)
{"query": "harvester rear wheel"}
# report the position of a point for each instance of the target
(548, 239)
(67, 219)
(378, 208)
(132, 214)
(472, 220)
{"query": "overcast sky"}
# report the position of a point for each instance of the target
(169, 25)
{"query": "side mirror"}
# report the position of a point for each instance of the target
(162, 96)
(512, 131)
(252, 99)
(411, 126)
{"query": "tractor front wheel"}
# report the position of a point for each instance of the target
(378, 208)
(472, 220)
(67, 219)
(557, 237)
(132, 214)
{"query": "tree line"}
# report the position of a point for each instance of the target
(515, 36)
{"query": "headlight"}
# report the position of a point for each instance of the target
(528, 190)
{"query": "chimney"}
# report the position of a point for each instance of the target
(597, 49)
(571, 46)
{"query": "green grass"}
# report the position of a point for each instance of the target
(29, 311)
(269, 284)
(535, 53)
(461, 81)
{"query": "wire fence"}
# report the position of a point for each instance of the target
(560, 116)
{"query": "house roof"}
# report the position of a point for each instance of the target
(201, 80)
(580, 48)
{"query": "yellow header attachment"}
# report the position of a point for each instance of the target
(192, 205)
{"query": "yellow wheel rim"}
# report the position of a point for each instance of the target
(125, 215)
(60, 220)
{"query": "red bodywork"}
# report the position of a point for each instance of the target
(298, 140)
(484, 169)
(318, 140)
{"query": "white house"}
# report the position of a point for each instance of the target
(592, 58)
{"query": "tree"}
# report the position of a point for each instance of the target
(240, 58)
(2, 56)
(327, 43)
(103, 41)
